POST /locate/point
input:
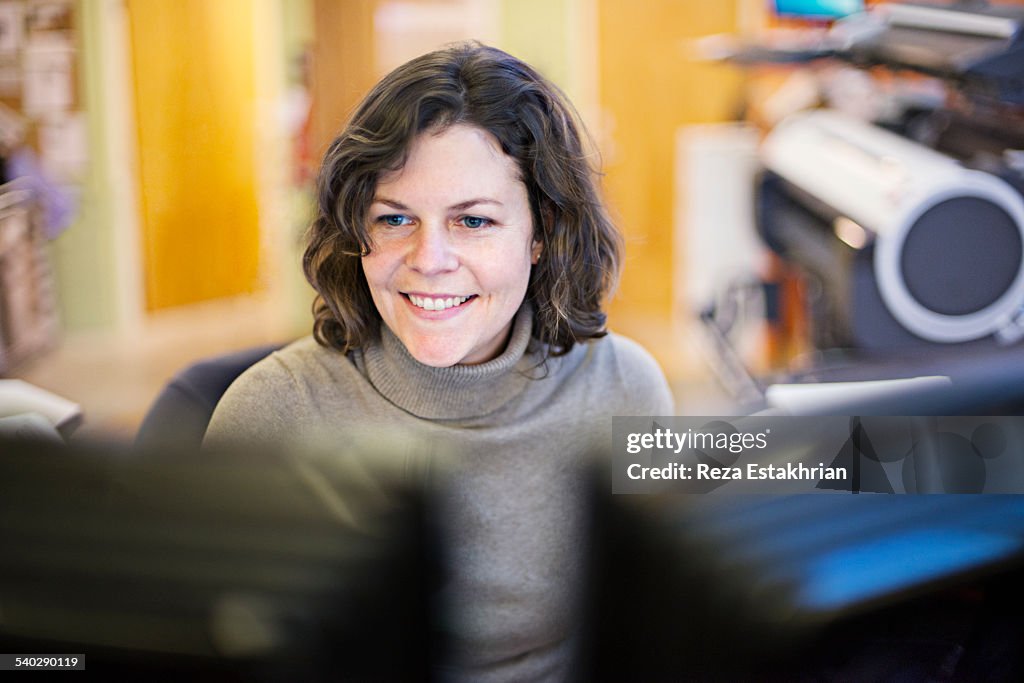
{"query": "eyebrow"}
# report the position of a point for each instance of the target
(461, 206)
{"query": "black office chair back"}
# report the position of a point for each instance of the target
(181, 412)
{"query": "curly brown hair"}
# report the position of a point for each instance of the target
(534, 123)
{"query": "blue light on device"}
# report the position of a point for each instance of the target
(857, 574)
(818, 9)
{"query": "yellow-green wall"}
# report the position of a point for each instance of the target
(97, 261)
(84, 255)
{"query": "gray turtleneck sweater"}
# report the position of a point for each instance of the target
(521, 429)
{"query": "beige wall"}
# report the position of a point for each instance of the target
(648, 87)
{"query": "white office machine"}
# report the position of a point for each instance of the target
(908, 243)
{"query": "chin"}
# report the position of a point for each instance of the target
(436, 361)
(428, 354)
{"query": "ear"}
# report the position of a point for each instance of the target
(548, 220)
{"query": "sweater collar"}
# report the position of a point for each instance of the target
(456, 392)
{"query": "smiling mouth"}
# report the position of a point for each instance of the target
(437, 303)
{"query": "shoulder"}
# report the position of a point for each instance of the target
(631, 373)
(283, 371)
(273, 396)
(299, 363)
(630, 357)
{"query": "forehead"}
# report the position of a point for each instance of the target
(457, 158)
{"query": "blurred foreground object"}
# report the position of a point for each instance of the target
(215, 566)
(806, 588)
(249, 566)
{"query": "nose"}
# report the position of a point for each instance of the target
(431, 250)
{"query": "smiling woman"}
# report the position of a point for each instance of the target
(449, 274)
(462, 258)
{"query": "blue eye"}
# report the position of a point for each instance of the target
(395, 220)
(475, 221)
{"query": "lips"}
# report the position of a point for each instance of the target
(441, 302)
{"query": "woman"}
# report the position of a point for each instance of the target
(461, 256)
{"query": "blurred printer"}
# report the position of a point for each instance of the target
(902, 245)
(978, 46)
(974, 45)
(913, 239)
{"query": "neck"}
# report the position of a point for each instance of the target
(459, 391)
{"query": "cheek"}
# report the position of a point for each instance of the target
(375, 272)
(376, 269)
(377, 281)
(510, 274)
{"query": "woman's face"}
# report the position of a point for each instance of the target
(452, 248)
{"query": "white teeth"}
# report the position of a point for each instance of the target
(429, 304)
